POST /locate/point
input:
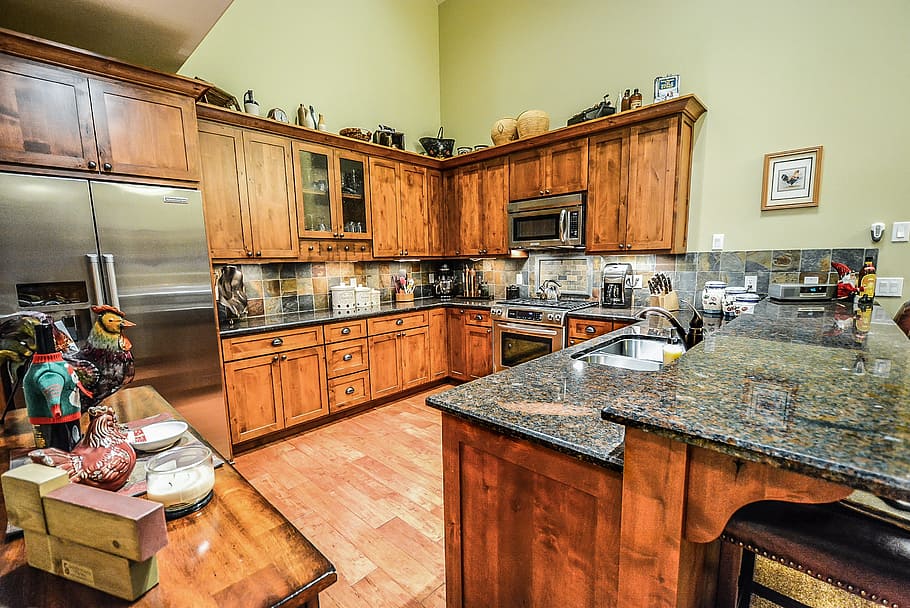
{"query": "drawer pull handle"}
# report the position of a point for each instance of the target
(589, 329)
(277, 342)
(345, 331)
(399, 321)
(347, 357)
(349, 390)
(478, 317)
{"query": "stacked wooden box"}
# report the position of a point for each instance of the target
(95, 537)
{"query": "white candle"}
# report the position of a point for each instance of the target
(181, 487)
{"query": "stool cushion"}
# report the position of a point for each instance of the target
(830, 542)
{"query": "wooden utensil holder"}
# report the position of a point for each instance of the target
(668, 301)
(404, 297)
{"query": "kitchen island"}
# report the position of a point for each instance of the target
(785, 404)
(237, 551)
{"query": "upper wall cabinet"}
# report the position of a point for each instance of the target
(481, 197)
(638, 191)
(63, 119)
(401, 218)
(549, 170)
(248, 185)
(332, 192)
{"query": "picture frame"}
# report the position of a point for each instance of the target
(792, 179)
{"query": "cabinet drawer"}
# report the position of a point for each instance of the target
(272, 342)
(347, 357)
(345, 330)
(478, 317)
(585, 329)
(349, 391)
(398, 322)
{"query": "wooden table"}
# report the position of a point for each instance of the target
(237, 551)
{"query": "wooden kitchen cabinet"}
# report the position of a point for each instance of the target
(248, 192)
(400, 355)
(638, 191)
(304, 394)
(439, 344)
(555, 169)
(332, 192)
(254, 397)
(398, 193)
(481, 194)
(470, 337)
(455, 331)
(60, 118)
(439, 228)
(585, 329)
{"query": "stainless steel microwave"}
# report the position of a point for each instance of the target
(556, 222)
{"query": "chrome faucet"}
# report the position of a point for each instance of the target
(691, 337)
(663, 312)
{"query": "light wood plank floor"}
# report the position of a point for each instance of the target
(367, 491)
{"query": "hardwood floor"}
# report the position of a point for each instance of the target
(367, 491)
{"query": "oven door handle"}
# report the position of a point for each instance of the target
(528, 330)
(563, 232)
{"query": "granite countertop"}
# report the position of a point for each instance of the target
(255, 325)
(789, 385)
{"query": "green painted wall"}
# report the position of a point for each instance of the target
(358, 62)
(775, 75)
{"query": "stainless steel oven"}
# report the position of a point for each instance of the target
(525, 329)
(548, 223)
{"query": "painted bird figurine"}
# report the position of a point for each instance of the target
(103, 458)
(105, 363)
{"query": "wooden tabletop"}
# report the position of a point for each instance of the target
(237, 551)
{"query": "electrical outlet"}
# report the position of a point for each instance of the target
(889, 287)
(636, 281)
(432, 278)
(717, 241)
(751, 282)
(900, 232)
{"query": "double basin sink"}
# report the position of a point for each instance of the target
(632, 352)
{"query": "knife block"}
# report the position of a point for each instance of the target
(668, 301)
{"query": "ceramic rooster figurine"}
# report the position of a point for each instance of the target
(105, 363)
(103, 459)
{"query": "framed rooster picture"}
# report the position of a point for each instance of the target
(792, 179)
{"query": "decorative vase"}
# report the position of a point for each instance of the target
(504, 130)
(250, 105)
(321, 124)
(532, 122)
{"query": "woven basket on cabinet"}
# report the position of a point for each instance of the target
(504, 130)
(533, 122)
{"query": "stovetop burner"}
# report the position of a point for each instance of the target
(548, 304)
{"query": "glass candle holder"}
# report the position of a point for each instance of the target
(181, 479)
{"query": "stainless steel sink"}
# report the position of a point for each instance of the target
(638, 353)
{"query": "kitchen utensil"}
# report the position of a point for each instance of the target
(549, 290)
(438, 147)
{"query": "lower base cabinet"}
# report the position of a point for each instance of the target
(399, 361)
(470, 336)
(526, 525)
(348, 391)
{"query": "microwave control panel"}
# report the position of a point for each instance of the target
(573, 224)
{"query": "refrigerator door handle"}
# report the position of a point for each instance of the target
(95, 269)
(114, 299)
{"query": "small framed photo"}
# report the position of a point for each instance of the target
(666, 87)
(792, 179)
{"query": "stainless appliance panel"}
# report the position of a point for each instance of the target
(551, 223)
(153, 243)
(516, 343)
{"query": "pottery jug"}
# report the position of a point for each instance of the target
(250, 105)
(504, 130)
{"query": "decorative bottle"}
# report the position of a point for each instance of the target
(626, 101)
(51, 390)
(867, 280)
(321, 124)
(635, 100)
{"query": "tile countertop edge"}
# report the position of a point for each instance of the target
(321, 317)
(612, 460)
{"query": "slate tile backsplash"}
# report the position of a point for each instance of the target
(301, 287)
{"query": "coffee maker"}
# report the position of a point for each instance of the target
(444, 284)
(616, 290)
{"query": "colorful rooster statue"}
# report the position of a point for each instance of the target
(103, 459)
(105, 363)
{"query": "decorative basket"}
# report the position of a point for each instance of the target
(504, 130)
(533, 122)
(356, 133)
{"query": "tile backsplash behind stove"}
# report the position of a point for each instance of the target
(303, 286)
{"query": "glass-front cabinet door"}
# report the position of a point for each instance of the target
(315, 190)
(353, 193)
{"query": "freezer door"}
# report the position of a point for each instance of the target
(46, 238)
(156, 267)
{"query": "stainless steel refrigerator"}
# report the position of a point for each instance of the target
(68, 244)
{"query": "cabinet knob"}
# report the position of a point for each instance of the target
(457, 252)
(546, 191)
(341, 235)
(406, 252)
(107, 166)
(399, 321)
(329, 247)
(541, 191)
(277, 342)
(363, 247)
(489, 331)
(310, 248)
(347, 357)
(258, 254)
(628, 246)
(92, 164)
(589, 329)
(349, 390)
(571, 342)
(347, 248)
(335, 234)
(275, 358)
(249, 253)
(622, 246)
(284, 357)
(345, 331)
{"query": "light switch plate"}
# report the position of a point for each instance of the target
(717, 241)
(900, 232)
(889, 287)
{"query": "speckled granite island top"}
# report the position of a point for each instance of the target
(788, 385)
(255, 325)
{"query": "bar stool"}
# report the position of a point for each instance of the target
(832, 543)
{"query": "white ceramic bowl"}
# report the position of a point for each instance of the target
(156, 436)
